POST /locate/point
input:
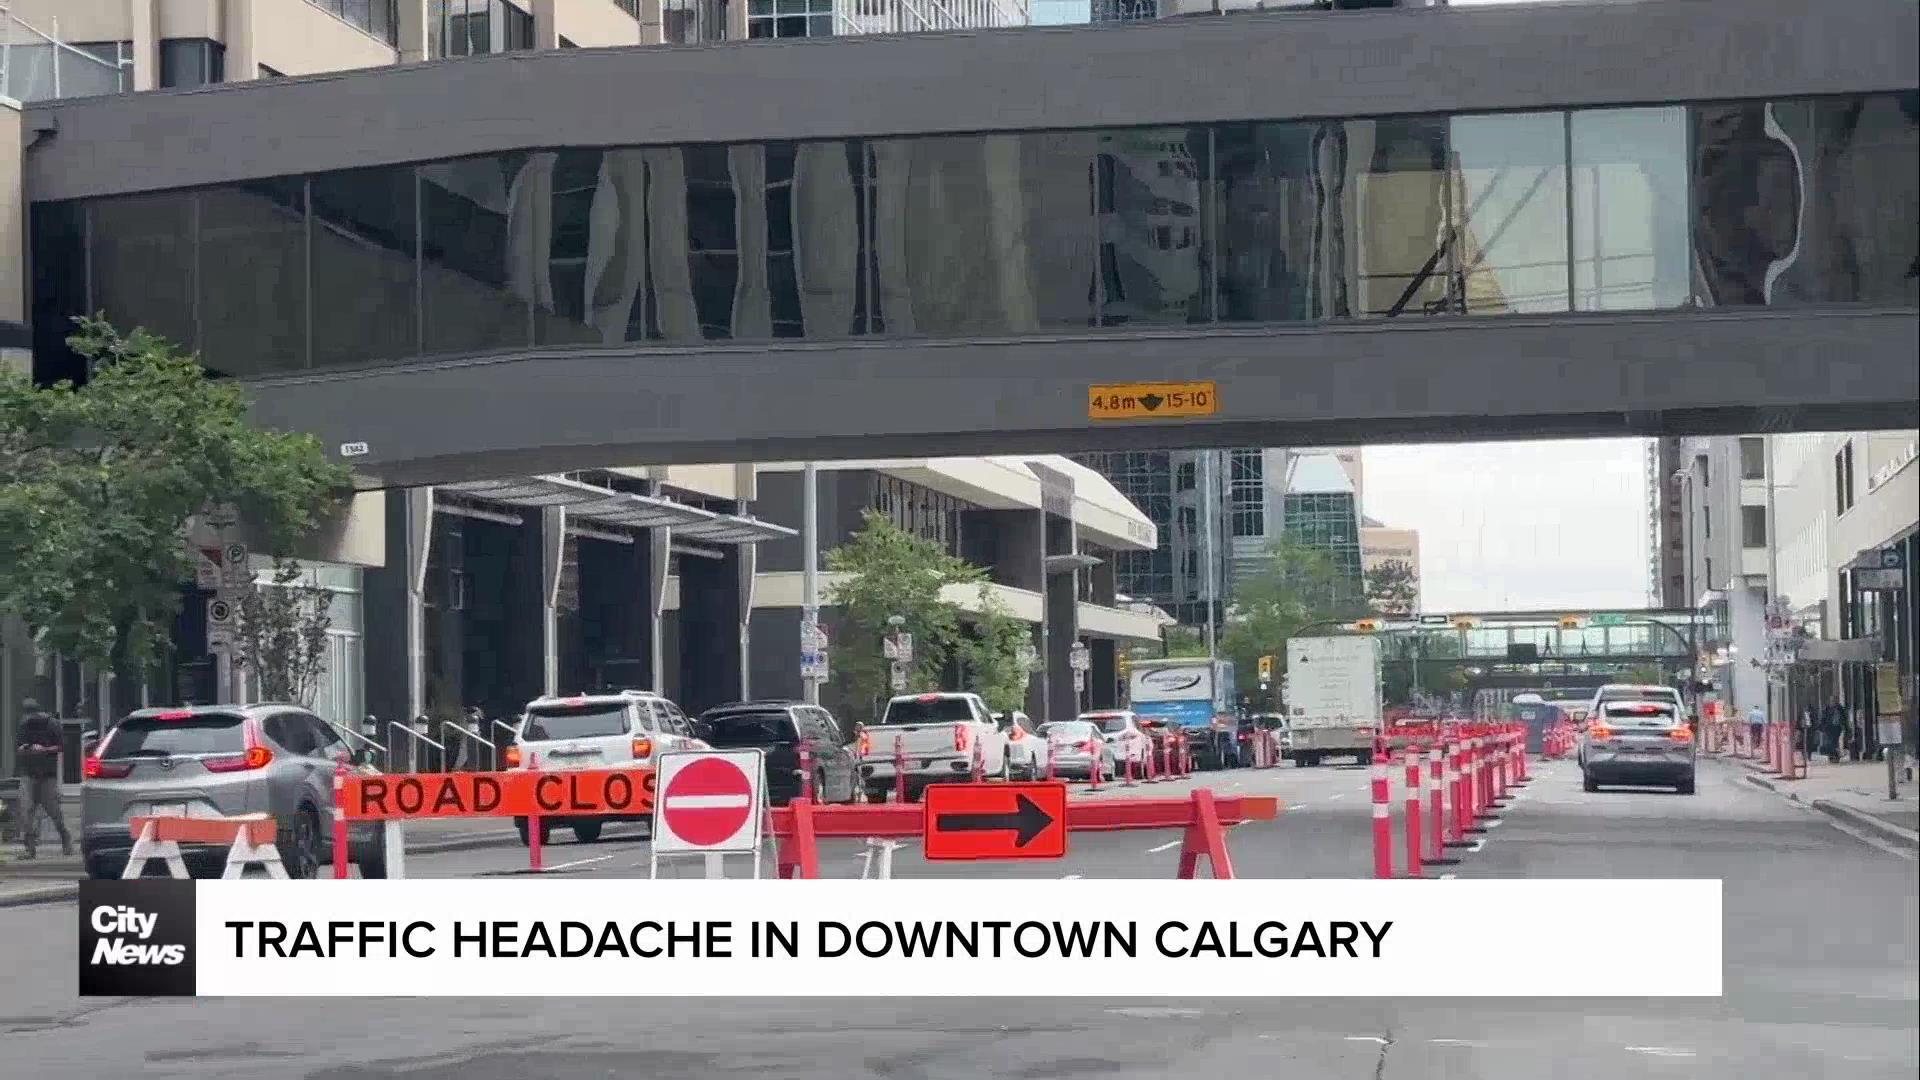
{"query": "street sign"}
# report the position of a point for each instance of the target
(898, 679)
(997, 821)
(1435, 620)
(220, 625)
(898, 648)
(813, 652)
(711, 801)
(1132, 401)
(236, 570)
(1079, 682)
(206, 568)
(1079, 658)
(1610, 618)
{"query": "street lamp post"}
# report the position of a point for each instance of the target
(1683, 479)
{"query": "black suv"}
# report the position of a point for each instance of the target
(781, 728)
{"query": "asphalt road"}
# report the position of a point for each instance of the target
(1823, 976)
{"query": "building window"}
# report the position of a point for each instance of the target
(377, 17)
(1753, 458)
(789, 18)
(1247, 492)
(690, 22)
(1753, 526)
(631, 7)
(1843, 478)
(118, 55)
(192, 62)
(476, 27)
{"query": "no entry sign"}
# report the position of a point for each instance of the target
(709, 801)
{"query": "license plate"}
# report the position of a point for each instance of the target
(172, 809)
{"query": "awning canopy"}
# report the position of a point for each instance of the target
(605, 506)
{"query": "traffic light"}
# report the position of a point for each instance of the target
(1569, 622)
(1367, 626)
(1465, 623)
(1266, 669)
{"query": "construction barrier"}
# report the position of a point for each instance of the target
(249, 839)
(1470, 771)
(800, 826)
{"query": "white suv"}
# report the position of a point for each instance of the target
(606, 730)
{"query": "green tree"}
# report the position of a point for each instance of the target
(1184, 641)
(105, 479)
(1295, 587)
(1393, 589)
(996, 654)
(887, 572)
(282, 634)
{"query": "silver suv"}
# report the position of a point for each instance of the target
(221, 760)
(612, 729)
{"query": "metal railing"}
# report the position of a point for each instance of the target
(469, 735)
(415, 740)
(35, 65)
(372, 744)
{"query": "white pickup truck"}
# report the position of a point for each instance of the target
(938, 734)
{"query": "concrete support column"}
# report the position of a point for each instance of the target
(652, 32)
(546, 28)
(745, 565)
(243, 60)
(412, 30)
(660, 551)
(1103, 682)
(417, 521)
(145, 19)
(736, 20)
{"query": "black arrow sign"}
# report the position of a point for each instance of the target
(1151, 401)
(1028, 819)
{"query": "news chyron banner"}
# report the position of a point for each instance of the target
(927, 938)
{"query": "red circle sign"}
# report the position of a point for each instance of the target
(707, 801)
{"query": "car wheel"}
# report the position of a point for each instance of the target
(299, 846)
(586, 832)
(520, 825)
(879, 793)
(1587, 782)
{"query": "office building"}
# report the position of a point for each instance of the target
(1323, 515)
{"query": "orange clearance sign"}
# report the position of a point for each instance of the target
(612, 792)
(995, 821)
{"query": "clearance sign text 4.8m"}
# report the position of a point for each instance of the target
(1136, 401)
(499, 794)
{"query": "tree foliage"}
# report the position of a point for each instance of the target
(1185, 641)
(890, 572)
(105, 479)
(996, 654)
(282, 634)
(1296, 586)
(1393, 588)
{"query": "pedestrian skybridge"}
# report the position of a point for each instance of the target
(1526, 220)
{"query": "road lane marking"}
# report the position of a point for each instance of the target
(1662, 1051)
(577, 862)
(1455, 1042)
(1342, 795)
(1496, 823)
(1375, 1039)
(1479, 842)
(1298, 806)
(1163, 847)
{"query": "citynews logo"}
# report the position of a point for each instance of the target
(136, 938)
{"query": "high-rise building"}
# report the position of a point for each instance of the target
(1323, 514)
(1381, 545)
(1167, 485)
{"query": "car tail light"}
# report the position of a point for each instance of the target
(642, 748)
(1682, 734)
(175, 714)
(256, 757)
(95, 769)
(959, 736)
(511, 757)
(928, 699)
(1600, 732)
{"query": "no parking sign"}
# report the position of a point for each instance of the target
(711, 802)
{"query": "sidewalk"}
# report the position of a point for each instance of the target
(52, 876)
(1855, 792)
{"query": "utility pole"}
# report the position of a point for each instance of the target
(810, 568)
(1206, 544)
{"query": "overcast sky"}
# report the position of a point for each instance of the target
(1519, 525)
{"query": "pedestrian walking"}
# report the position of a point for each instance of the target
(1834, 720)
(39, 766)
(1756, 725)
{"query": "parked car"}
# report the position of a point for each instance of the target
(940, 733)
(221, 760)
(1072, 746)
(782, 729)
(607, 730)
(1027, 751)
(1639, 742)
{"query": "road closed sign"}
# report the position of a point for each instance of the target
(710, 802)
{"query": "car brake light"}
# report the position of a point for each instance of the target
(928, 698)
(1600, 731)
(1683, 734)
(95, 769)
(642, 748)
(256, 757)
(959, 736)
(511, 757)
(175, 714)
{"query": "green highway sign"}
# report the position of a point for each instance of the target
(1610, 619)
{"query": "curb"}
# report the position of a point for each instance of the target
(1842, 811)
(56, 892)
(1867, 821)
